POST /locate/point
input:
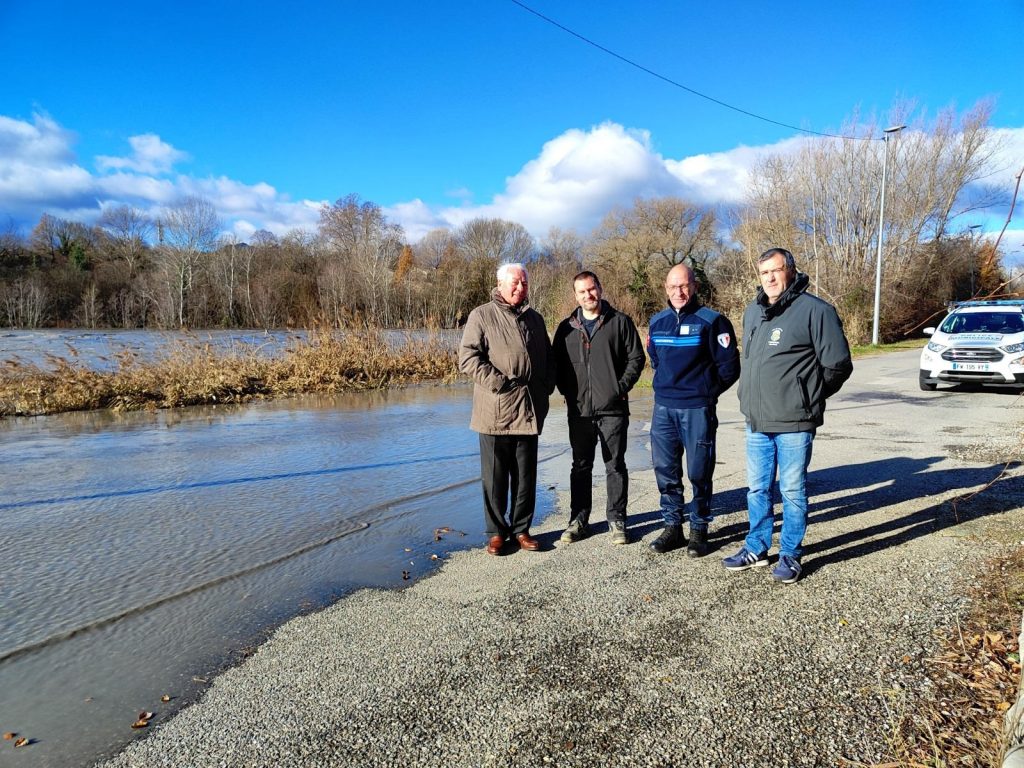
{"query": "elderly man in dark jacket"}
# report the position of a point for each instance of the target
(795, 356)
(598, 358)
(506, 351)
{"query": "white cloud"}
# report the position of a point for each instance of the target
(581, 175)
(1008, 160)
(37, 166)
(576, 178)
(41, 142)
(40, 173)
(416, 218)
(150, 155)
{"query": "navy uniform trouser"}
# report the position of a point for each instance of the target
(584, 435)
(678, 433)
(508, 467)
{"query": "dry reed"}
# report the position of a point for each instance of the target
(196, 374)
(975, 677)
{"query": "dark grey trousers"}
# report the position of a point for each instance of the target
(508, 467)
(584, 435)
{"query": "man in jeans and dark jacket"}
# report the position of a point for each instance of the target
(693, 352)
(598, 358)
(795, 355)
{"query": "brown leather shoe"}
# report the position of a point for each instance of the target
(526, 541)
(494, 545)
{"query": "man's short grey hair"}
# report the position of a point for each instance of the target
(790, 262)
(503, 270)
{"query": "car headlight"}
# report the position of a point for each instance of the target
(1013, 349)
(935, 347)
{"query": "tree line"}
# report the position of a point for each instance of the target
(130, 270)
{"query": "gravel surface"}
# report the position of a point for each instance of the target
(588, 654)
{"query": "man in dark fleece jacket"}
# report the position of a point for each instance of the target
(598, 358)
(693, 352)
(795, 355)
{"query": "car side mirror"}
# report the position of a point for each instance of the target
(928, 331)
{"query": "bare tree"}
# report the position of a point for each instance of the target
(190, 229)
(25, 302)
(486, 243)
(365, 243)
(445, 277)
(563, 249)
(129, 231)
(637, 246)
(823, 204)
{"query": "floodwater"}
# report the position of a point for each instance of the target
(100, 349)
(145, 552)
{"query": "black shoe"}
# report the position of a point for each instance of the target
(671, 538)
(698, 546)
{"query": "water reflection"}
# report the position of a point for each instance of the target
(147, 548)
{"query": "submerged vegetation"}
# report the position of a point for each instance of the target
(190, 374)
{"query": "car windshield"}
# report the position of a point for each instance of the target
(983, 322)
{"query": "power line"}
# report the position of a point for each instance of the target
(672, 82)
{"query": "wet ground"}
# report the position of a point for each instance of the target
(146, 551)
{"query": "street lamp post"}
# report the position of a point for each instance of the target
(974, 256)
(881, 219)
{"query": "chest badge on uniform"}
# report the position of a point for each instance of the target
(775, 337)
(684, 330)
(724, 339)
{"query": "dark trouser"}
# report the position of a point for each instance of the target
(584, 435)
(508, 464)
(676, 432)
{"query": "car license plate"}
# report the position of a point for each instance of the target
(970, 366)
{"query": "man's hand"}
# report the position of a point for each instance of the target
(512, 383)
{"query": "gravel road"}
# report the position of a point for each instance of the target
(588, 654)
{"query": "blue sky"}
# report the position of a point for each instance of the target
(442, 111)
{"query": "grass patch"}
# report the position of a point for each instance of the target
(190, 374)
(975, 675)
(862, 350)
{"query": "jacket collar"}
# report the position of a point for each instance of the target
(798, 286)
(688, 308)
(497, 298)
(576, 318)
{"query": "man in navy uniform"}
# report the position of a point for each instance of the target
(695, 359)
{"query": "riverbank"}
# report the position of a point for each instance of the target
(588, 654)
(190, 372)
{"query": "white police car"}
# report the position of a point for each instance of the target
(980, 342)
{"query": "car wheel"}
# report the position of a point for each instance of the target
(926, 385)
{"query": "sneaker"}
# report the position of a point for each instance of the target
(671, 538)
(745, 559)
(617, 529)
(787, 570)
(578, 529)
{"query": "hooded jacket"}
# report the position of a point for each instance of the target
(595, 373)
(795, 355)
(694, 356)
(505, 350)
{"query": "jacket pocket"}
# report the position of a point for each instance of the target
(805, 397)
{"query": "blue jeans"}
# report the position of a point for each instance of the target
(675, 433)
(790, 453)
